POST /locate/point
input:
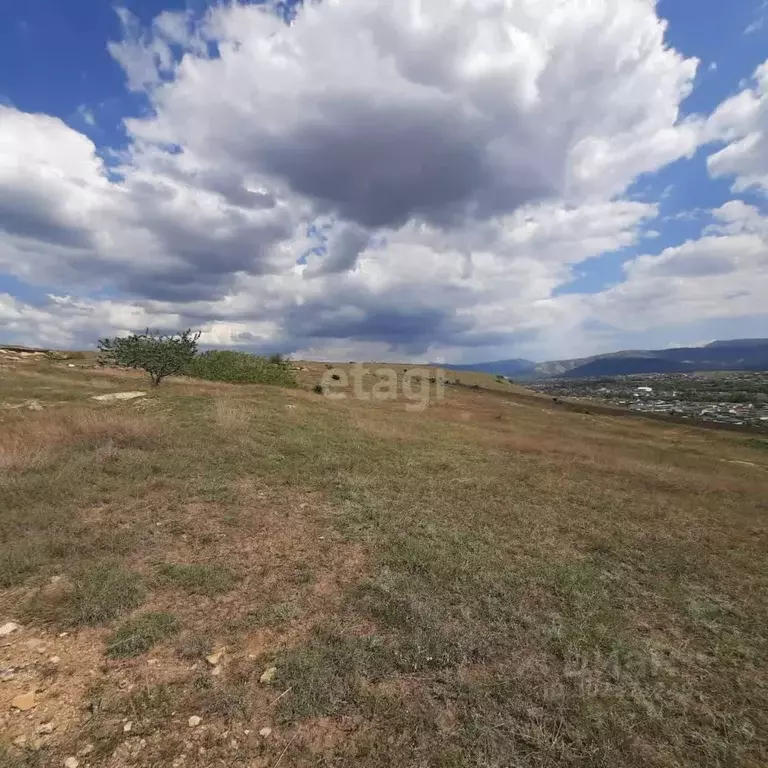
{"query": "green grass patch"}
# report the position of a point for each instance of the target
(242, 368)
(197, 579)
(272, 615)
(140, 634)
(93, 596)
(18, 561)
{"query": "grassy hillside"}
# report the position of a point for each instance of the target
(489, 581)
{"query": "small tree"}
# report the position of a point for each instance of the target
(158, 354)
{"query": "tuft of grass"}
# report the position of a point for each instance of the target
(140, 634)
(192, 644)
(197, 579)
(94, 596)
(18, 561)
(273, 615)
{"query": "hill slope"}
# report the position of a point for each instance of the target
(492, 580)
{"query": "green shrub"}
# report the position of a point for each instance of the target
(242, 368)
(140, 634)
(157, 353)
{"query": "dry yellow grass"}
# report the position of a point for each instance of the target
(493, 581)
(28, 440)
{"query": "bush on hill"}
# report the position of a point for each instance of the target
(159, 354)
(242, 368)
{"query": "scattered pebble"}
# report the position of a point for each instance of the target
(128, 727)
(265, 733)
(24, 701)
(71, 762)
(194, 721)
(269, 675)
(9, 628)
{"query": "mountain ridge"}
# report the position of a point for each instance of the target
(719, 355)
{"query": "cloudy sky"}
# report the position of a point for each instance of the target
(455, 180)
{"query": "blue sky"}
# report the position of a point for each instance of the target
(55, 63)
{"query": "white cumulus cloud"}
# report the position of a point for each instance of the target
(413, 177)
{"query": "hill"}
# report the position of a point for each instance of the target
(515, 367)
(736, 355)
(731, 355)
(219, 574)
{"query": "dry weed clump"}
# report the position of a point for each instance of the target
(29, 439)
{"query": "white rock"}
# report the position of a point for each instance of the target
(54, 660)
(269, 675)
(127, 727)
(71, 762)
(9, 628)
(119, 396)
(46, 728)
(265, 733)
(194, 721)
(71, 365)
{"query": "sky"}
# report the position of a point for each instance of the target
(390, 180)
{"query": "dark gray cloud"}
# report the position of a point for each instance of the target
(381, 165)
(27, 213)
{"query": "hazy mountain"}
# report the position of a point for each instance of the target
(726, 355)
(517, 367)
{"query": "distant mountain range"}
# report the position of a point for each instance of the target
(728, 355)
